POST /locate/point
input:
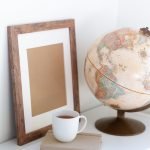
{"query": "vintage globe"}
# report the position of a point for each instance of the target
(117, 69)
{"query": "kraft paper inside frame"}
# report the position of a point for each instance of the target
(47, 78)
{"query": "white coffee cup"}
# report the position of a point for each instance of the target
(65, 125)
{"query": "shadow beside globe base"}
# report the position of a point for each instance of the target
(120, 125)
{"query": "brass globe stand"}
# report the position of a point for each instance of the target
(120, 125)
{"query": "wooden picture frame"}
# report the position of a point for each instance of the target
(20, 39)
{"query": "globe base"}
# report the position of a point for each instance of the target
(120, 125)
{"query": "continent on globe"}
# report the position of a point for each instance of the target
(106, 89)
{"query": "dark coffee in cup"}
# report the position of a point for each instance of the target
(65, 116)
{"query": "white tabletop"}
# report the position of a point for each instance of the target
(109, 142)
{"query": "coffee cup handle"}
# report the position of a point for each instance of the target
(84, 125)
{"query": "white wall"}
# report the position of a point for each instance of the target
(92, 17)
(133, 13)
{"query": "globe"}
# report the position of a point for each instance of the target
(117, 70)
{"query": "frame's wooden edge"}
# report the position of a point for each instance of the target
(29, 137)
(36, 27)
(74, 67)
(13, 31)
(17, 93)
